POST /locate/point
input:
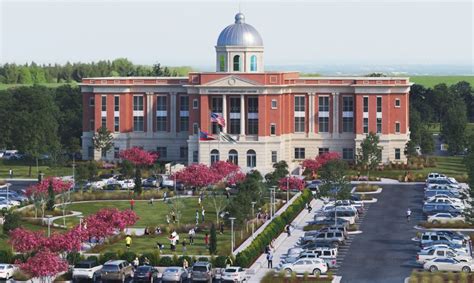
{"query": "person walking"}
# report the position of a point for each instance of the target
(222, 228)
(270, 260)
(10, 173)
(197, 217)
(203, 212)
(288, 229)
(185, 264)
(132, 204)
(408, 215)
(128, 241)
(206, 240)
(191, 234)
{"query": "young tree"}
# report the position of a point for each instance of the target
(139, 158)
(12, 221)
(213, 240)
(281, 170)
(219, 201)
(333, 177)
(103, 140)
(369, 155)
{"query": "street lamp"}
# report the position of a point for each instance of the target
(288, 188)
(49, 224)
(272, 201)
(253, 219)
(8, 187)
(232, 234)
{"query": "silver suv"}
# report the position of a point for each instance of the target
(202, 271)
(116, 270)
(336, 238)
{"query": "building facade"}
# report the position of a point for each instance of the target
(272, 116)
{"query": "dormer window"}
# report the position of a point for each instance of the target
(222, 63)
(236, 63)
(253, 63)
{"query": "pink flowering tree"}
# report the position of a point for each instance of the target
(139, 158)
(44, 265)
(311, 166)
(40, 193)
(228, 172)
(197, 175)
(293, 183)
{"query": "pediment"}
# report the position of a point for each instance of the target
(232, 81)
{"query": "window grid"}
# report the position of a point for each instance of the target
(348, 124)
(274, 156)
(161, 103)
(366, 104)
(138, 103)
(323, 124)
(347, 104)
(397, 127)
(138, 123)
(348, 153)
(366, 125)
(104, 103)
(300, 103)
(379, 104)
(323, 150)
(379, 125)
(116, 103)
(323, 103)
(162, 151)
(116, 124)
(397, 154)
(299, 153)
(272, 129)
(299, 125)
(251, 159)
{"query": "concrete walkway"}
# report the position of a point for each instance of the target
(281, 245)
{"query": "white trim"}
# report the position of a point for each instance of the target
(116, 113)
(399, 127)
(273, 124)
(300, 114)
(348, 114)
(365, 115)
(399, 103)
(379, 115)
(323, 114)
(252, 115)
(183, 113)
(103, 113)
(276, 104)
(234, 115)
(195, 106)
(138, 113)
(161, 113)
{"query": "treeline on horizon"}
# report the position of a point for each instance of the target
(33, 73)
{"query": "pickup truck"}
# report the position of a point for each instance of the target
(429, 254)
(88, 269)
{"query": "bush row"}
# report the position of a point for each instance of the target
(275, 228)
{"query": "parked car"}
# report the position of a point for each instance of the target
(430, 254)
(174, 274)
(6, 271)
(431, 208)
(329, 220)
(429, 237)
(317, 245)
(456, 204)
(346, 214)
(9, 201)
(87, 269)
(456, 247)
(151, 182)
(432, 176)
(303, 255)
(313, 266)
(13, 196)
(445, 218)
(116, 270)
(233, 274)
(4, 205)
(445, 199)
(339, 228)
(146, 273)
(441, 181)
(448, 264)
(202, 271)
(335, 238)
(433, 192)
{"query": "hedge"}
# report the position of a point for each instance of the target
(246, 257)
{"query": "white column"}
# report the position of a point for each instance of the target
(335, 113)
(242, 115)
(172, 112)
(149, 113)
(311, 112)
(224, 112)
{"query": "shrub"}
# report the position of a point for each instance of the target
(12, 221)
(6, 256)
(220, 261)
(180, 260)
(19, 275)
(166, 261)
(128, 256)
(154, 258)
(203, 259)
(93, 258)
(362, 188)
(19, 258)
(73, 258)
(108, 256)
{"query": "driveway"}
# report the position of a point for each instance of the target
(384, 252)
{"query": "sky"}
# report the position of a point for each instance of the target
(363, 32)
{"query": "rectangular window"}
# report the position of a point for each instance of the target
(234, 122)
(379, 125)
(299, 125)
(103, 154)
(195, 129)
(272, 129)
(138, 122)
(274, 156)
(366, 125)
(195, 156)
(397, 154)
(216, 104)
(184, 124)
(397, 127)
(161, 103)
(299, 153)
(379, 104)
(195, 104)
(184, 103)
(323, 150)
(161, 150)
(348, 124)
(116, 124)
(397, 103)
(138, 103)
(104, 122)
(348, 153)
(161, 124)
(104, 103)
(347, 104)
(324, 103)
(116, 152)
(366, 104)
(252, 104)
(234, 126)
(274, 104)
(299, 103)
(323, 124)
(253, 126)
(116, 103)
(91, 125)
(91, 101)
(183, 152)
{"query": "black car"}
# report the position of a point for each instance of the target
(146, 273)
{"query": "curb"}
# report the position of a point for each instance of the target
(373, 200)
(355, 232)
(353, 191)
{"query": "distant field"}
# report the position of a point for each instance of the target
(430, 81)
(6, 86)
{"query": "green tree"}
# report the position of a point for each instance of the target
(51, 197)
(123, 66)
(69, 100)
(251, 189)
(333, 177)
(213, 240)
(24, 76)
(127, 169)
(103, 140)
(217, 200)
(453, 125)
(281, 171)
(12, 221)
(369, 155)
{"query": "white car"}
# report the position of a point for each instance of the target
(461, 251)
(97, 184)
(6, 271)
(314, 266)
(127, 184)
(435, 176)
(445, 218)
(440, 200)
(233, 274)
(448, 264)
(10, 201)
(4, 205)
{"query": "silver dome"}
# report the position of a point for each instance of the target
(240, 34)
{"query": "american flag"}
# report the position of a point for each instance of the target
(215, 117)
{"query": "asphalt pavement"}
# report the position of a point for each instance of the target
(384, 252)
(20, 185)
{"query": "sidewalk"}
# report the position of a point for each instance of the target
(283, 243)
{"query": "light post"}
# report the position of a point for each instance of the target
(288, 188)
(49, 224)
(232, 234)
(272, 202)
(253, 219)
(80, 221)
(8, 187)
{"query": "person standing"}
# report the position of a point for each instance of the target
(228, 262)
(270, 260)
(191, 234)
(199, 200)
(408, 215)
(10, 173)
(202, 214)
(173, 216)
(288, 231)
(128, 241)
(222, 227)
(132, 204)
(185, 264)
(197, 217)
(136, 262)
(168, 219)
(206, 240)
(184, 246)
(165, 196)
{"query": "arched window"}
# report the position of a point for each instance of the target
(233, 156)
(251, 158)
(236, 63)
(253, 63)
(222, 63)
(214, 156)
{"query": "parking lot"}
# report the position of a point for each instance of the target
(384, 252)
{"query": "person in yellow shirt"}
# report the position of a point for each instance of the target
(128, 241)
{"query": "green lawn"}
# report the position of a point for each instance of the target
(21, 169)
(53, 85)
(431, 81)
